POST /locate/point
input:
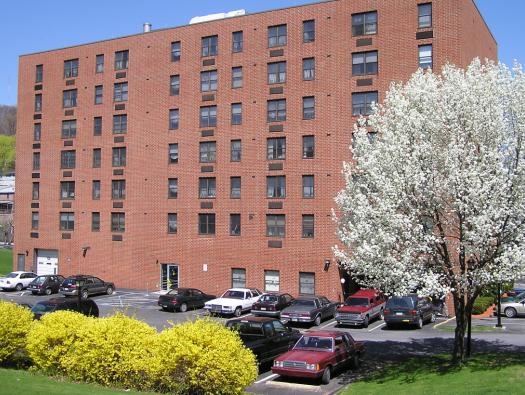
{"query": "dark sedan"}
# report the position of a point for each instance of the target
(309, 309)
(270, 304)
(87, 285)
(45, 284)
(182, 299)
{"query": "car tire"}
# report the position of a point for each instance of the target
(510, 312)
(34, 292)
(237, 312)
(365, 322)
(317, 321)
(164, 308)
(84, 294)
(109, 290)
(325, 379)
(19, 287)
(48, 291)
(183, 308)
(419, 323)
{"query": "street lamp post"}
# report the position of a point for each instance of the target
(498, 325)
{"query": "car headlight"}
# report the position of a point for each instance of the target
(337, 315)
(278, 364)
(312, 366)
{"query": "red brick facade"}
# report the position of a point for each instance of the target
(134, 257)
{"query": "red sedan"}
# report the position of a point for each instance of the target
(318, 354)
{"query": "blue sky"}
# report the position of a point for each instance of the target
(32, 26)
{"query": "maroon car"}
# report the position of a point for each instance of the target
(318, 354)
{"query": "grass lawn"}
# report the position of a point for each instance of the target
(6, 261)
(486, 374)
(24, 382)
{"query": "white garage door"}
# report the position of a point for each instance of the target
(47, 262)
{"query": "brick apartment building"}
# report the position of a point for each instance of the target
(209, 155)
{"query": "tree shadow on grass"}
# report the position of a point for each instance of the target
(402, 361)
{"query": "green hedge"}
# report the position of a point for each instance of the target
(482, 303)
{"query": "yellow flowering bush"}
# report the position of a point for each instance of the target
(15, 322)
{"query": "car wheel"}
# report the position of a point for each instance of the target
(237, 312)
(48, 291)
(365, 322)
(326, 375)
(164, 308)
(433, 317)
(317, 320)
(510, 312)
(109, 290)
(84, 294)
(19, 287)
(183, 308)
(34, 292)
(419, 323)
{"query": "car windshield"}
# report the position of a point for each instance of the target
(12, 275)
(268, 298)
(356, 302)
(233, 294)
(43, 308)
(400, 302)
(314, 343)
(174, 292)
(39, 280)
(247, 328)
(302, 302)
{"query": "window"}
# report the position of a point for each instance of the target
(237, 41)
(69, 129)
(276, 72)
(120, 92)
(97, 126)
(424, 13)
(208, 116)
(239, 278)
(172, 223)
(235, 224)
(173, 188)
(67, 190)
(306, 283)
(95, 190)
(118, 222)
(235, 150)
(236, 113)
(208, 80)
(207, 151)
(364, 23)
(206, 187)
(207, 224)
(276, 186)
(173, 153)
(98, 94)
(237, 77)
(425, 56)
(364, 63)
(277, 36)
(99, 64)
(39, 73)
(308, 225)
(67, 221)
(97, 157)
(35, 220)
(95, 222)
(275, 225)
(174, 85)
(69, 98)
(121, 60)
(271, 280)
(308, 186)
(37, 131)
(308, 31)
(119, 156)
(35, 192)
(308, 69)
(118, 189)
(308, 147)
(309, 107)
(235, 187)
(36, 160)
(276, 148)
(175, 51)
(38, 102)
(276, 110)
(174, 119)
(70, 68)
(67, 159)
(209, 46)
(362, 102)
(120, 123)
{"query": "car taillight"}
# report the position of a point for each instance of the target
(174, 301)
(413, 312)
(386, 311)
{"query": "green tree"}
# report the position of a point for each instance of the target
(7, 153)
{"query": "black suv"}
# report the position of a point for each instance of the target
(87, 307)
(89, 285)
(408, 309)
(45, 284)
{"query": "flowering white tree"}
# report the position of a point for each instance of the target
(434, 200)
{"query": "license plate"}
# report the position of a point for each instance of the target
(398, 313)
(294, 319)
(263, 308)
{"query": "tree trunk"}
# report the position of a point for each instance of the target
(458, 355)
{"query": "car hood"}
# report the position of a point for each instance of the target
(307, 355)
(226, 301)
(353, 309)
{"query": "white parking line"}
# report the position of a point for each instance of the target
(270, 377)
(376, 327)
(443, 322)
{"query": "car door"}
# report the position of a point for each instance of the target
(278, 338)
(97, 285)
(327, 309)
(520, 306)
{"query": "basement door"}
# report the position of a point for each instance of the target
(169, 276)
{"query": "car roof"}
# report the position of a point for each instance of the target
(310, 297)
(21, 271)
(366, 292)
(253, 319)
(325, 333)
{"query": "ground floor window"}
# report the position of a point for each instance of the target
(306, 283)
(239, 278)
(271, 280)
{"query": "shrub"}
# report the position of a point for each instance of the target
(15, 322)
(52, 338)
(109, 351)
(202, 357)
(481, 304)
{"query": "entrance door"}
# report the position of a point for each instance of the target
(169, 276)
